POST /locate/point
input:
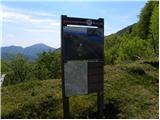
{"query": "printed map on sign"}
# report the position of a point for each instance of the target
(75, 73)
(82, 43)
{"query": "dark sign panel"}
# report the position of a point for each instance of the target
(83, 43)
(95, 76)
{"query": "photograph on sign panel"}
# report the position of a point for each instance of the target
(83, 43)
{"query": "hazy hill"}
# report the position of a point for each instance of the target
(30, 52)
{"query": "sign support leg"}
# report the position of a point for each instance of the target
(66, 107)
(100, 101)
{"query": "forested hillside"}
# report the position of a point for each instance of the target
(138, 41)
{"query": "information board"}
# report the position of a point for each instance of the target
(82, 46)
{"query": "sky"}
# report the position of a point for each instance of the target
(27, 23)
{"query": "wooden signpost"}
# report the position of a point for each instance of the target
(82, 59)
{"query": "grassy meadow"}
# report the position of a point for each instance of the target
(130, 91)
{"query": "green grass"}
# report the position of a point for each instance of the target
(131, 91)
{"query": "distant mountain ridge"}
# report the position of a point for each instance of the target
(30, 52)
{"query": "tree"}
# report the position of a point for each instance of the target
(134, 49)
(56, 66)
(154, 28)
(40, 72)
(144, 21)
(18, 70)
(51, 64)
(4, 67)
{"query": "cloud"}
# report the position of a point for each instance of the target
(12, 16)
(42, 30)
(16, 16)
(35, 26)
(45, 14)
(19, 17)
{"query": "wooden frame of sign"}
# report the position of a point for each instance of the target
(89, 66)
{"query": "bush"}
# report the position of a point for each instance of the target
(18, 70)
(134, 49)
(50, 63)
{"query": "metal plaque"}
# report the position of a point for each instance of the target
(75, 74)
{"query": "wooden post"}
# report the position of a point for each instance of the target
(100, 100)
(100, 104)
(100, 95)
(65, 99)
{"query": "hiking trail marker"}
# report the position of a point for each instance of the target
(82, 57)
